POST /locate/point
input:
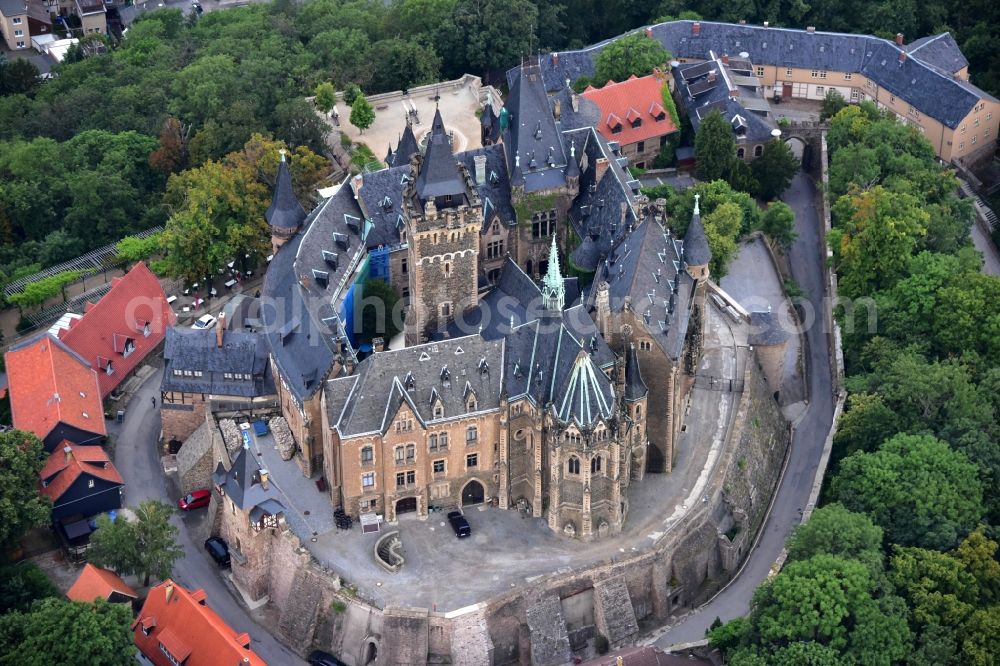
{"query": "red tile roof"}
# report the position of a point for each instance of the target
(623, 103)
(97, 583)
(50, 384)
(62, 469)
(121, 315)
(187, 627)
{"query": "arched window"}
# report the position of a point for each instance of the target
(447, 268)
(595, 464)
(740, 153)
(573, 465)
(757, 150)
(638, 412)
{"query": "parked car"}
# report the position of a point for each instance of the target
(459, 524)
(219, 550)
(204, 322)
(194, 500)
(320, 658)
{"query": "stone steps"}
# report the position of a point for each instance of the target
(549, 638)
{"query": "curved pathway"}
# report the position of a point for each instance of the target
(807, 256)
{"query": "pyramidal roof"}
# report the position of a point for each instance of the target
(439, 175)
(406, 147)
(696, 250)
(635, 387)
(285, 211)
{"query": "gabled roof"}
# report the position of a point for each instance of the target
(50, 384)
(134, 300)
(244, 483)
(63, 468)
(285, 211)
(242, 353)
(535, 146)
(97, 583)
(439, 174)
(628, 101)
(938, 51)
(187, 627)
(11, 8)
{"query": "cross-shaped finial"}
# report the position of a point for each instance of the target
(696, 211)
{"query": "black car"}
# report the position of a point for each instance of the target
(320, 658)
(219, 550)
(459, 524)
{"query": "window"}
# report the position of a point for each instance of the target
(788, 71)
(367, 456)
(19, 33)
(438, 411)
(399, 454)
(973, 142)
(641, 146)
(814, 74)
(411, 453)
(472, 435)
(19, 45)
(171, 658)
(760, 71)
(986, 132)
(847, 76)
(411, 478)
(472, 460)
(494, 249)
(645, 345)
(446, 309)
(471, 405)
(976, 121)
(178, 373)
(368, 481)
(638, 412)
(962, 129)
(757, 150)
(16, 20)
(617, 129)
(439, 466)
(989, 116)
(573, 465)
(447, 269)
(741, 153)
(433, 442)
(822, 74)
(961, 146)
(595, 464)
(854, 94)
(443, 441)
(543, 225)
(820, 90)
(892, 99)
(197, 373)
(400, 480)
(404, 266)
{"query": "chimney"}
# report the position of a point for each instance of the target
(711, 77)
(767, 23)
(811, 29)
(378, 344)
(734, 93)
(601, 166)
(725, 58)
(696, 28)
(649, 32)
(168, 591)
(69, 452)
(899, 39)
(220, 329)
(263, 478)
(902, 57)
(480, 161)
(555, 59)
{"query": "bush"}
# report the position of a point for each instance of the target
(345, 140)
(351, 92)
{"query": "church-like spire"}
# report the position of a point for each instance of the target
(553, 287)
(285, 212)
(439, 176)
(696, 250)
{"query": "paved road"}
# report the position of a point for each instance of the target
(137, 458)
(807, 258)
(983, 243)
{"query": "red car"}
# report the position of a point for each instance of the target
(194, 500)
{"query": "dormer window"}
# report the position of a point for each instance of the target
(471, 404)
(438, 411)
(145, 330)
(123, 344)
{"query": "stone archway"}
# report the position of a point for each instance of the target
(798, 147)
(473, 493)
(406, 505)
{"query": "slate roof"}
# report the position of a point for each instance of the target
(242, 353)
(185, 625)
(766, 329)
(242, 483)
(285, 211)
(701, 97)
(633, 99)
(13, 7)
(96, 583)
(494, 193)
(635, 387)
(62, 469)
(438, 175)
(535, 146)
(406, 147)
(442, 371)
(696, 250)
(51, 384)
(301, 323)
(380, 197)
(135, 300)
(938, 51)
(928, 88)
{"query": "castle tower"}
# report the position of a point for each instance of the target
(285, 215)
(697, 254)
(553, 287)
(634, 393)
(443, 218)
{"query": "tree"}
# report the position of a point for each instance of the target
(351, 92)
(362, 114)
(378, 311)
(722, 228)
(134, 249)
(172, 155)
(19, 77)
(401, 64)
(144, 547)
(916, 488)
(833, 530)
(22, 508)
(778, 222)
(68, 632)
(832, 104)
(326, 97)
(774, 169)
(21, 584)
(714, 148)
(491, 35)
(635, 54)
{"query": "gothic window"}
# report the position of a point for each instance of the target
(757, 150)
(595, 464)
(543, 224)
(494, 249)
(573, 465)
(367, 456)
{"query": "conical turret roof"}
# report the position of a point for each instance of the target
(406, 148)
(285, 211)
(635, 387)
(439, 175)
(696, 250)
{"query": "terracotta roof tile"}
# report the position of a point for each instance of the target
(97, 583)
(50, 384)
(62, 469)
(119, 318)
(624, 100)
(189, 629)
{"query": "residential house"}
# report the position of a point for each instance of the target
(229, 368)
(120, 330)
(632, 114)
(93, 17)
(14, 24)
(81, 481)
(54, 393)
(96, 583)
(176, 626)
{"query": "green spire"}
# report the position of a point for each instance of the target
(553, 288)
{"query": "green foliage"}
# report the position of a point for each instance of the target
(916, 488)
(833, 530)
(833, 102)
(362, 113)
(21, 584)
(363, 158)
(670, 105)
(774, 169)
(714, 148)
(326, 97)
(68, 632)
(379, 313)
(778, 222)
(36, 293)
(530, 204)
(144, 547)
(18, 77)
(487, 34)
(133, 248)
(635, 54)
(351, 92)
(21, 506)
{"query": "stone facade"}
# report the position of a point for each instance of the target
(196, 459)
